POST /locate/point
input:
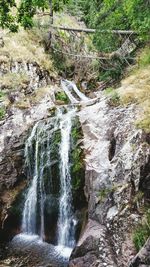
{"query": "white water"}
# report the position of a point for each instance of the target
(66, 222)
(69, 87)
(38, 155)
(29, 212)
(68, 93)
(77, 91)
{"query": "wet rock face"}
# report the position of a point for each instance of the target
(13, 134)
(11, 164)
(14, 130)
(117, 167)
(144, 184)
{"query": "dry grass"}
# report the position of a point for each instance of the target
(14, 81)
(136, 89)
(40, 93)
(26, 46)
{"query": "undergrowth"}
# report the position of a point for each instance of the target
(142, 232)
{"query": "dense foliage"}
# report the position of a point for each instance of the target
(13, 15)
(103, 14)
(115, 15)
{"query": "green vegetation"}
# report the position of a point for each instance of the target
(142, 232)
(61, 96)
(144, 59)
(124, 15)
(77, 166)
(2, 95)
(107, 15)
(2, 113)
(138, 197)
(14, 13)
(114, 98)
(103, 193)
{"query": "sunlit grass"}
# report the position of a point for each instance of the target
(25, 46)
(136, 89)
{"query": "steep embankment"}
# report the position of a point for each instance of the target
(117, 176)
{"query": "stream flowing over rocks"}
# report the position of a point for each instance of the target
(117, 162)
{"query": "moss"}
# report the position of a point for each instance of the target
(109, 90)
(62, 97)
(103, 193)
(2, 113)
(142, 232)
(77, 165)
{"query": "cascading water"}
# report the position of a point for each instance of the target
(69, 88)
(66, 222)
(37, 154)
(54, 202)
(38, 157)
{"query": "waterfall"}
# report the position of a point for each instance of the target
(29, 212)
(69, 88)
(66, 222)
(38, 157)
(77, 91)
(66, 89)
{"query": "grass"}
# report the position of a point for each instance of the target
(2, 95)
(142, 232)
(114, 97)
(14, 81)
(2, 113)
(136, 89)
(144, 58)
(25, 46)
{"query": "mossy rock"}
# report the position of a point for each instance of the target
(77, 165)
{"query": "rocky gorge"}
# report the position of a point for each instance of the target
(114, 192)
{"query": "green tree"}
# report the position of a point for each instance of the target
(13, 15)
(116, 15)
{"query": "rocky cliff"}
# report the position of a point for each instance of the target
(117, 160)
(117, 185)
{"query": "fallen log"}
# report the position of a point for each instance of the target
(122, 32)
